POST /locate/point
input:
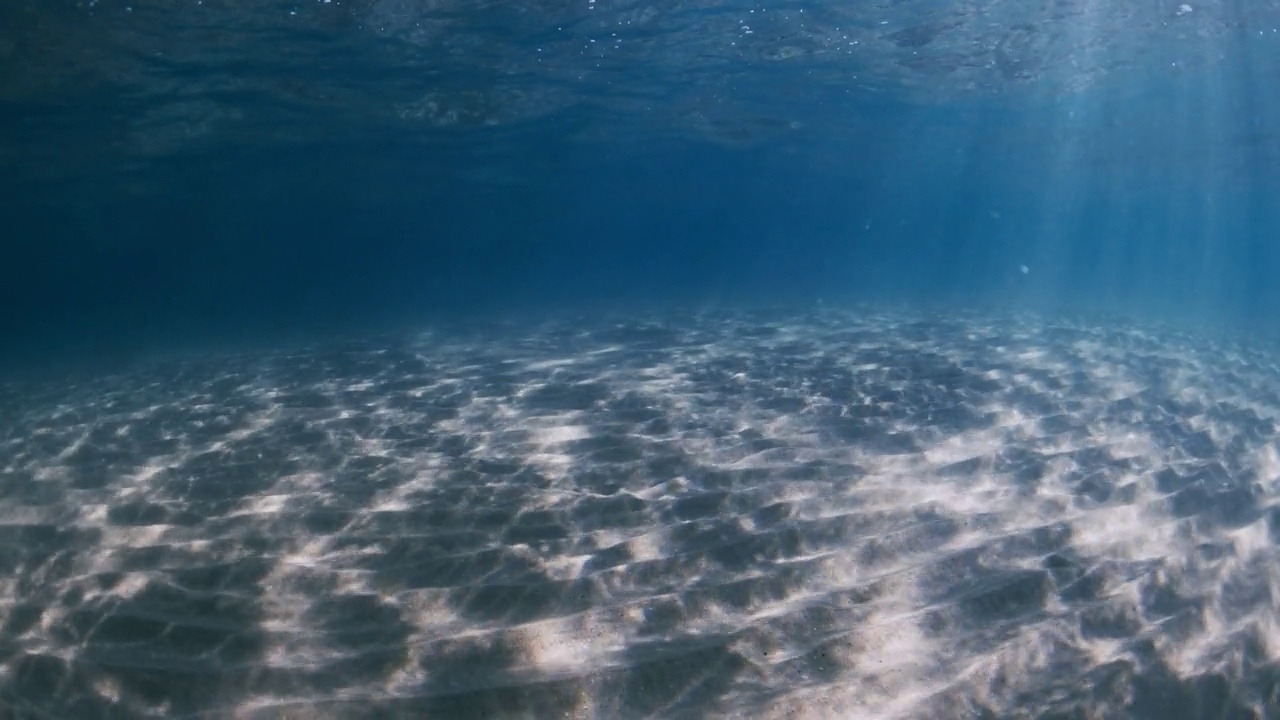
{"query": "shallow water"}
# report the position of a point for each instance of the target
(407, 358)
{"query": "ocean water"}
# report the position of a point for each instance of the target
(608, 359)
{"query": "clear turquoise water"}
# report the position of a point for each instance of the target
(612, 360)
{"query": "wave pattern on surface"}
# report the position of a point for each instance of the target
(763, 515)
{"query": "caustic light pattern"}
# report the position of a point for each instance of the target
(758, 515)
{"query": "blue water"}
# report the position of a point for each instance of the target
(138, 214)
(447, 252)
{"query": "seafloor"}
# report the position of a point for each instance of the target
(775, 515)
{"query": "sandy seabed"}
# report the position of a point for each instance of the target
(765, 515)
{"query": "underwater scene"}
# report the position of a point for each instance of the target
(612, 359)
